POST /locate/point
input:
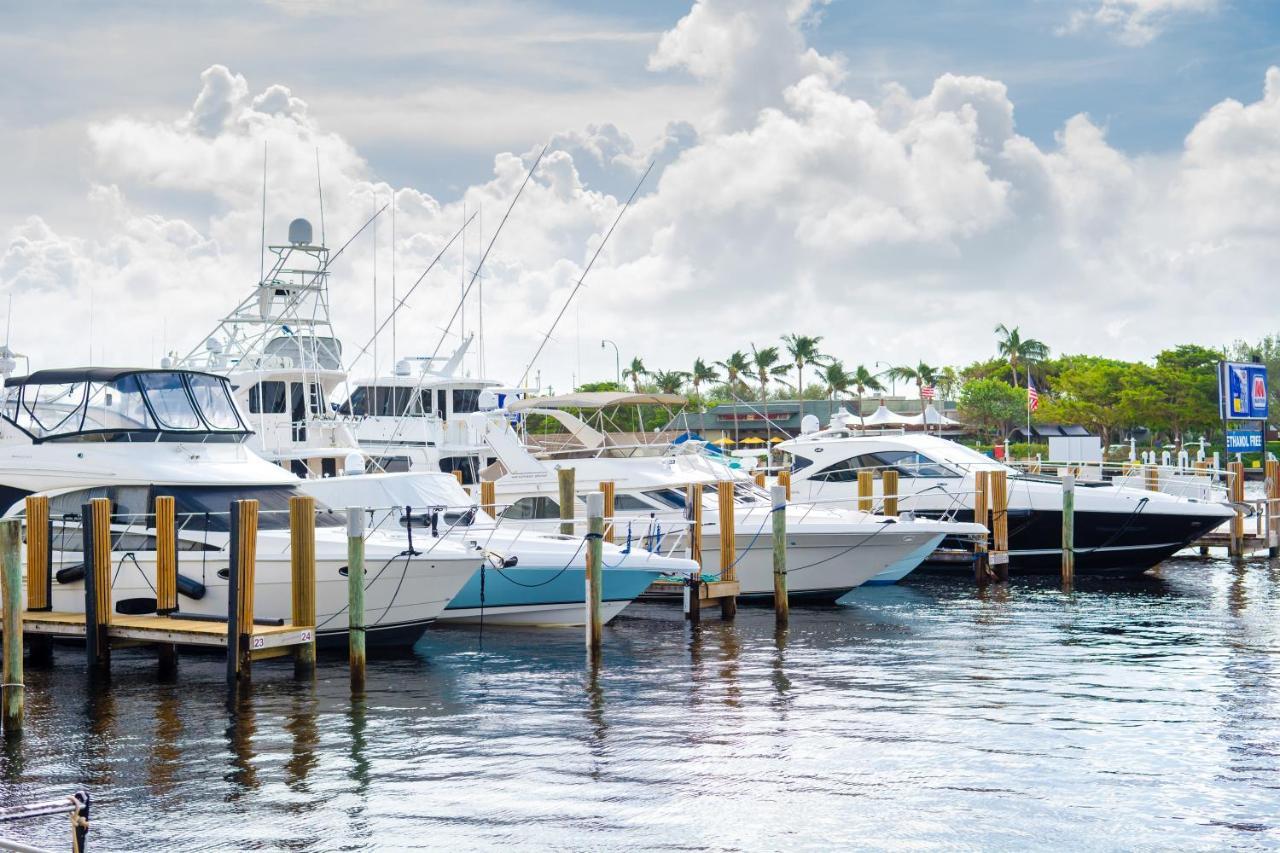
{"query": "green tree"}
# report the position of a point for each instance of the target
(803, 350)
(1019, 351)
(635, 372)
(992, 404)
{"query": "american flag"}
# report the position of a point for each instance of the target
(1033, 398)
(926, 392)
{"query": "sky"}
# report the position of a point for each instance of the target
(896, 177)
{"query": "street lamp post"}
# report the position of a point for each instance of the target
(617, 360)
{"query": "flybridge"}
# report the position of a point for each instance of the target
(123, 404)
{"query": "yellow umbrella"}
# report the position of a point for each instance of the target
(723, 441)
(753, 440)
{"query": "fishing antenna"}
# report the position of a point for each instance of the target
(583, 277)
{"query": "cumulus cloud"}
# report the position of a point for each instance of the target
(898, 227)
(1135, 22)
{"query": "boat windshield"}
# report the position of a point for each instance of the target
(93, 404)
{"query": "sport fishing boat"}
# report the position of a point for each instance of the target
(531, 576)
(1119, 529)
(133, 434)
(830, 551)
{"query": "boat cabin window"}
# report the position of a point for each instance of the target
(908, 463)
(103, 404)
(267, 398)
(532, 508)
(466, 400)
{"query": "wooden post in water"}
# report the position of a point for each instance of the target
(39, 573)
(11, 693)
(999, 487)
(355, 596)
(1153, 478)
(302, 579)
(564, 477)
(607, 489)
(1273, 508)
(1068, 531)
(784, 480)
(866, 490)
(243, 519)
(981, 566)
(693, 587)
(166, 577)
(488, 498)
(889, 486)
(728, 545)
(96, 532)
(1236, 473)
(595, 573)
(781, 603)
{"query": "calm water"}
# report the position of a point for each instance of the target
(922, 716)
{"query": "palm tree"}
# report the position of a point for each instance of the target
(702, 372)
(803, 350)
(835, 378)
(864, 380)
(670, 381)
(1018, 350)
(766, 366)
(922, 375)
(635, 372)
(735, 367)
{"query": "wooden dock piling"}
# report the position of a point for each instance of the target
(998, 485)
(781, 602)
(866, 490)
(728, 545)
(1068, 531)
(96, 534)
(1236, 474)
(39, 573)
(12, 689)
(981, 566)
(595, 573)
(889, 487)
(302, 572)
(355, 597)
(565, 480)
(607, 489)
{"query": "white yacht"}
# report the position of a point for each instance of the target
(830, 551)
(133, 434)
(1119, 529)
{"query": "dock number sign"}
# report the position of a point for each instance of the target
(1242, 391)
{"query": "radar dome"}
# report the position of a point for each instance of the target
(300, 232)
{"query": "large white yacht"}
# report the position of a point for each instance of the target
(1119, 529)
(830, 551)
(132, 434)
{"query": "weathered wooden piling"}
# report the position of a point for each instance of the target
(302, 576)
(1235, 472)
(981, 566)
(564, 478)
(998, 485)
(488, 497)
(39, 573)
(241, 577)
(784, 480)
(166, 577)
(866, 491)
(96, 534)
(1273, 508)
(355, 597)
(607, 489)
(1068, 531)
(12, 690)
(889, 487)
(781, 602)
(595, 573)
(728, 545)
